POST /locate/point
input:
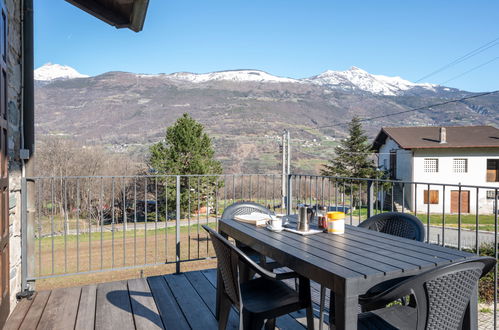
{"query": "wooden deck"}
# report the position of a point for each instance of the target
(183, 301)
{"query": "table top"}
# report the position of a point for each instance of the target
(359, 259)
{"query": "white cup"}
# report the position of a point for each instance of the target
(274, 223)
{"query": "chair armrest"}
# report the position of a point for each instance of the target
(287, 275)
(382, 287)
(398, 290)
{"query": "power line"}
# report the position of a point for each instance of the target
(413, 109)
(463, 58)
(470, 70)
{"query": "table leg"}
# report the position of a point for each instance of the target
(346, 308)
(219, 288)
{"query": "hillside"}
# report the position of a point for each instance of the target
(244, 110)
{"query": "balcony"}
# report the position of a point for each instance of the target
(136, 243)
(182, 301)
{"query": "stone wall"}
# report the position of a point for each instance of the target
(14, 61)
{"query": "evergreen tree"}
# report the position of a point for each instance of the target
(187, 149)
(352, 155)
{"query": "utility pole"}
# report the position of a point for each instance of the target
(289, 152)
(286, 164)
(283, 180)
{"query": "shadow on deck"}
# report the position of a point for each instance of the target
(183, 301)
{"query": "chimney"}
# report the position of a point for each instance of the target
(443, 135)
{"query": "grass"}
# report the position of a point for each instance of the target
(97, 253)
(90, 253)
(468, 221)
(485, 310)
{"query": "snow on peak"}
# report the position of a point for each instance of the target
(50, 71)
(356, 78)
(231, 75)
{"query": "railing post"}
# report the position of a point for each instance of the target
(177, 229)
(27, 234)
(289, 197)
(24, 235)
(370, 198)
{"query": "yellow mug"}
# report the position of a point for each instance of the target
(335, 222)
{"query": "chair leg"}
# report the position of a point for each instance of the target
(322, 307)
(245, 273)
(331, 308)
(251, 321)
(218, 295)
(310, 318)
(224, 311)
(270, 324)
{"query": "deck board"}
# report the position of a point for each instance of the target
(19, 313)
(85, 319)
(145, 312)
(207, 292)
(171, 314)
(61, 309)
(35, 312)
(184, 301)
(195, 310)
(113, 307)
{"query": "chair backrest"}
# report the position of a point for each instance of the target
(442, 294)
(240, 208)
(397, 224)
(228, 260)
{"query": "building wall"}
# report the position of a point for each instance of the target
(404, 170)
(404, 160)
(410, 167)
(14, 95)
(475, 176)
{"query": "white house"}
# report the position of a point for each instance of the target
(466, 155)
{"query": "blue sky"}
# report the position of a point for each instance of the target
(287, 38)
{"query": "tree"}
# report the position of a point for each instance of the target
(352, 155)
(187, 149)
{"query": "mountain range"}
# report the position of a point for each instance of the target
(244, 111)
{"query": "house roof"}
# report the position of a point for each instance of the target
(429, 137)
(119, 13)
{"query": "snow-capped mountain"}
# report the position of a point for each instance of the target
(231, 75)
(356, 78)
(49, 72)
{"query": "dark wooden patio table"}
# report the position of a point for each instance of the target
(348, 264)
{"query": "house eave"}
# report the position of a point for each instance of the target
(133, 20)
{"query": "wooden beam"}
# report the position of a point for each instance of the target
(138, 15)
(102, 12)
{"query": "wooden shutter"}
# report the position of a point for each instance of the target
(465, 201)
(433, 196)
(492, 170)
(4, 177)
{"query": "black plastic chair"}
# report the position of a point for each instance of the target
(242, 208)
(441, 298)
(397, 224)
(259, 299)
(394, 223)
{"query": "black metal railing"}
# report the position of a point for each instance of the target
(80, 225)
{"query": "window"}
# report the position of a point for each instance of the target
(430, 165)
(491, 194)
(492, 170)
(460, 165)
(432, 196)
